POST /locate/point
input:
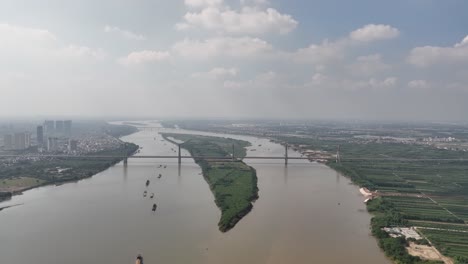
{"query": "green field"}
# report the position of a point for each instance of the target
(19, 182)
(420, 184)
(233, 183)
(445, 182)
(451, 243)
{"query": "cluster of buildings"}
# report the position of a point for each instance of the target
(439, 139)
(52, 136)
(406, 232)
(17, 141)
(55, 135)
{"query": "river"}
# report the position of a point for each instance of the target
(306, 213)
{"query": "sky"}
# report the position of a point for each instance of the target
(300, 59)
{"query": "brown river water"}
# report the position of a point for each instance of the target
(306, 213)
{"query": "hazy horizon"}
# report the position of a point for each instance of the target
(235, 59)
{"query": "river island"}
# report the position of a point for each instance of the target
(233, 183)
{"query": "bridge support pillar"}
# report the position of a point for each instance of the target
(286, 154)
(180, 157)
(125, 161)
(233, 157)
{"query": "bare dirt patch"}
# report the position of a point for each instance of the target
(427, 253)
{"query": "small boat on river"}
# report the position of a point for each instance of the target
(147, 183)
(139, 259)
(154, 207)
(145, 193)
(152, 196)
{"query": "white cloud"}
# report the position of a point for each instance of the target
(254, 2)
(365, 85)
(217, 73)
(374, 32)
(463, 43)
(222, 46)
(383, 84)
(145, 56)
(368, 65)
(77, 52)
(265, 80)
(332, 82)
(24, 42)
(323, 53)
(430, 55)
(125, 33)
(418, 84)
(202, 3)
(246, 21)
(19, 37)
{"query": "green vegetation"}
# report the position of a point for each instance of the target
(27, 174)
(233, 183)
(20, 182)
(426, 191)
(422, 178)
(385, 214)
(118, 131)
(450, 243)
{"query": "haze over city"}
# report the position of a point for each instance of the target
(399, 60)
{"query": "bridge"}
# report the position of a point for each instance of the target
(179, 157)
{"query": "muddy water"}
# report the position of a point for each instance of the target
(306, 213)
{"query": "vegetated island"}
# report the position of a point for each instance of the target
(419, 183)
(233, 183)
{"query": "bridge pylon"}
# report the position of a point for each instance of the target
(179, 157)
(125, 161)
(233, 157)
(286, 154)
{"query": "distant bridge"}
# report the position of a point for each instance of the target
(179, 157)
(125, 158)
(225, 158)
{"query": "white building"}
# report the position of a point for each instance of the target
(8, 142)
(52, 144)
(22, 141)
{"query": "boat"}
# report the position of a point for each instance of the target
(165, 166)
(152, 195)
(154, 207)
(147, 182)
(145, 193)
(139, 259)
(159, 177)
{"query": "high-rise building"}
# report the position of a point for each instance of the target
(52, 144)
(8, 142)
(22, 141)
(40, 135)
(67, 127)
(27, 139)
(49, 127)
(72, 145)
(59, 126)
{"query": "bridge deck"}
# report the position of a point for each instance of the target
(144, 157)
(219, 158)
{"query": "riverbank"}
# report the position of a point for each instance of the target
(58, 171)
(29, 174)
(233, 183)
(297, 218)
